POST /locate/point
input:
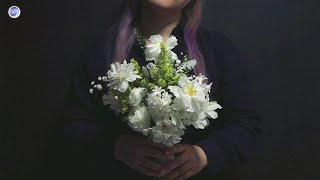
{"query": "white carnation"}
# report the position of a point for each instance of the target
(159, 104)
(164, 133)
(139, 118)
(136, 96)
(120, 75)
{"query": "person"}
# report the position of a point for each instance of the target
(101, 145)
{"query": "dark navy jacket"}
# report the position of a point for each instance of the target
(228, 141)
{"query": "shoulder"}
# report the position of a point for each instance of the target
(96, 56)
(218, 48)
(216, 41)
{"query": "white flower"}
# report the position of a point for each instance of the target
(210, 108)
(139, 118)
(109, 99)
(99, 87)
(120, 75)
(187, 65)
(151, 66)
(200, 119)
(159, 104)
(206, 87)
(173, 56)
(171, 42)
(164, 133)
(189, 95)
(136, 96)
(191, 64)
(201, 122)
(177, 118)
(182, 118)
(145, 71)
(153, 50)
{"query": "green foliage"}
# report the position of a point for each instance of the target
(123, 100)
(138, 82)
(136, 65)
(161, 75)
(164, 76)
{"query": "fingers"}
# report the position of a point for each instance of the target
(146, 171)
(146, 166)
(151, 165)
(155, 153)
(178, 161)
(179, 172)
(186, 175)
(155, 145)
(178, 148)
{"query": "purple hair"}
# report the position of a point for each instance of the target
(126, 36)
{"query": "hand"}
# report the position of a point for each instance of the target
(189, 161)
(137, 152)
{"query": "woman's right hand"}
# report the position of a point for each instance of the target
(138, 153)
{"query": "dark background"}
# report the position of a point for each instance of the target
(279, 38)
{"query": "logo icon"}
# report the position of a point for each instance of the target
(14, 12)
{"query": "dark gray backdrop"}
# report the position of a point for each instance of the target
(279, 38)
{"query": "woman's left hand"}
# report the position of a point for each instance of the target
(189, 161)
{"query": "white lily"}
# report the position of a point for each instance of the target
(210, 108)
(200, 119)
(153, 50)
(189, 95)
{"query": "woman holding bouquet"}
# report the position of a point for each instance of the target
(103, 146)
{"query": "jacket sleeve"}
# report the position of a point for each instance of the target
(90, 129)
(234, 143)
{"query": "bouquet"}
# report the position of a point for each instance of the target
(159, 99)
